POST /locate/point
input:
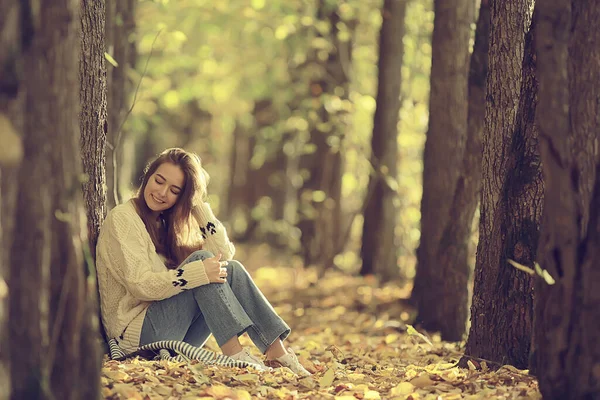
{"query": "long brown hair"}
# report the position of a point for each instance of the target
(177, 236)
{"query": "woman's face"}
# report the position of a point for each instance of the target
(164, 187)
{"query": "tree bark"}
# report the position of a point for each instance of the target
(379, 250)
(445, 309)
(93, 128)
(320, 196)
(567, 313)
(48, 310)
(93, 117)
(512, 194)
(444, 149)
(120, 28)
(584, 100)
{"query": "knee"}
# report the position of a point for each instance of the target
(200, 255)
(235, 265)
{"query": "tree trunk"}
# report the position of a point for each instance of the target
(379, 250)
(29, 250)
(258, 170)
(238, 209)
(120, 27)
(11, 126)
(512, 194)
(93, 129)
(567, 332)
(93, 117)
(320, 196)
(445, 309)
(584, 100)
(444, 149)
(48, 310)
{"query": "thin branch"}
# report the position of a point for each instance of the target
(120, 132)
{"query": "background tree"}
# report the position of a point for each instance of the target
(567, 312)
(512, 193)
(47, 279)
(379, 250)
(443, 155)
(447, 311)
(121, 45)
(320, 196)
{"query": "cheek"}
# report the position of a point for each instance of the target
(149, 187)
(172, 198)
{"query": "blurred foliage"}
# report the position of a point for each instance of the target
(209, 62)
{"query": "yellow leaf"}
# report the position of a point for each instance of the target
(308, 382)
(403, 388)
(327, 378)
(111, 60)
(413, 332)
(391, 338)
(548, 278)
(521, 267)
(118, 376)
(422, 381)
(354, 377)
(246, 378)
(243, 395)
(372, 395)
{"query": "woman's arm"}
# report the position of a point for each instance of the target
(130, 262)
(213, 232)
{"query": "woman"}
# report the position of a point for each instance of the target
(165, 271)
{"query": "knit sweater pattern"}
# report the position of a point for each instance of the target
(132, 275)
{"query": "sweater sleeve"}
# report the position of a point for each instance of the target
(130, 263)
(213, 232)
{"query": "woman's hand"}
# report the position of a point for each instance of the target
(215, 269)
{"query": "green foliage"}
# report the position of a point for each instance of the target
(213, 61)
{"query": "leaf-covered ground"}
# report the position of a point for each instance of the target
(349, 332)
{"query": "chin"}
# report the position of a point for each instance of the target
(150, 205)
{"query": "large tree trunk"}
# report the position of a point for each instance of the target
(511, 202)
(567, 332)
(93, 117)
(93, 129)
(320, 196)
(48, 310)
(446, 308)
(379, 247)
(120, 28)
(30, 248)
(584, 100)
(444, 149)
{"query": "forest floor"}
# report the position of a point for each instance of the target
(350, 332)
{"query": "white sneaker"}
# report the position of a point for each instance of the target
(254, 361)
(291, 361)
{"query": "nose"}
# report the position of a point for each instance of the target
(163, 191)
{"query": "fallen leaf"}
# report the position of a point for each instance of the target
(327, 378)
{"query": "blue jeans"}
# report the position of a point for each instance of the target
(225, 309)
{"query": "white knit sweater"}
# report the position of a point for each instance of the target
(131, 275)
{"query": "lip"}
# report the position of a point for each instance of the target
(156, 200)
